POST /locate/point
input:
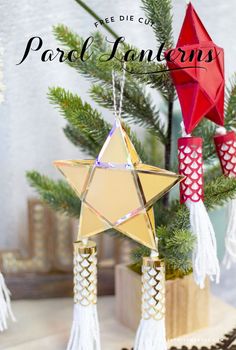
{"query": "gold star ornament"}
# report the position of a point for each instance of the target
(117, 190)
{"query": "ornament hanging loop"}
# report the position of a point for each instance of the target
(116, 111)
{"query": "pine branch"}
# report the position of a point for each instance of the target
(97, 70)
(230, 105)
(144, 156)
(86, 126)
(180, 218)
(161, 80)
(81, 116)
(159, 13)
(156, 77)
(90, 68)
(207, 129)
(212, 173)
(96, 16)
(219, 191)
(155, 150)
(176, 249)
(79, 140)
(137, 107)
(57, 194)
(101, 72)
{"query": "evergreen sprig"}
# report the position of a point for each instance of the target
(100, 72)
(86, 126)
(159, 14)
(149, 73)
(81, 116)
(57, 194)
(207, 130)
(219, 191)
(141, 110)
(230, 105)
(76, 137)
(175, 247)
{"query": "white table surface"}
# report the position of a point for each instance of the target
(45, 324)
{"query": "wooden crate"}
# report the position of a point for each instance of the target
(46, 270)
(187, 306)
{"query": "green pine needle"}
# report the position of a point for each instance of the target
(159, 13)
(57, 194)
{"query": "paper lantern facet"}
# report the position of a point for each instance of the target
(199, 80)
(107, 190)
(77, 179)
(91, 222)
(118, 149)
(118, 191)
(193, 30)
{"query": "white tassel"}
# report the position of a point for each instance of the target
(5, 305)
(85, 329)
(85, 333)
(151, 334)
(205, 261)
(204, 258)
(230, 238)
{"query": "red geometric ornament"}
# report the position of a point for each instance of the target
(199, 83)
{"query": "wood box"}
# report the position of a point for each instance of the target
(46, 270)
(187, 306)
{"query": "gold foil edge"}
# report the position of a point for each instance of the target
(80, 248)
(153, 262)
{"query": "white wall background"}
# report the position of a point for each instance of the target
(31, 134)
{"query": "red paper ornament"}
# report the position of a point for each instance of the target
(191, 166)
(226, 149)
(200, 88)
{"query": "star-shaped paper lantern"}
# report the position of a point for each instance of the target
(200, 88)
(117, 190)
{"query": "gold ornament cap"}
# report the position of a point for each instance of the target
(89, 248)
(153, 262)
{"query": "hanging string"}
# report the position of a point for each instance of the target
(122, 88)
(118, 113)
(114, 93)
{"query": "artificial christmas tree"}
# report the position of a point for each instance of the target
(86, 129)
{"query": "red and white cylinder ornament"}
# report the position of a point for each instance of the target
(205, 261)
(226, 150)
(225, 143)
(190, 165)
